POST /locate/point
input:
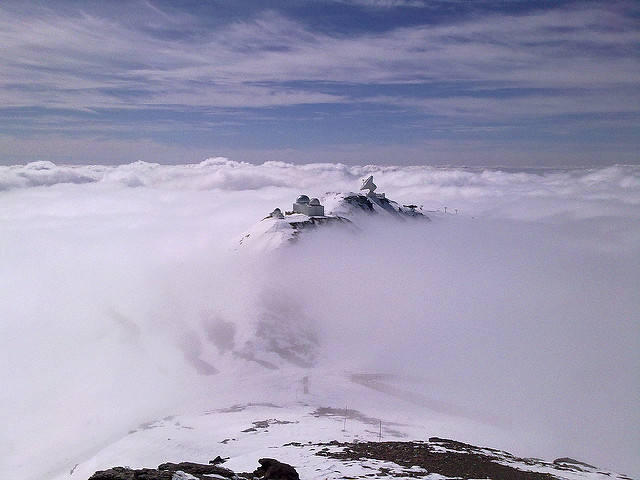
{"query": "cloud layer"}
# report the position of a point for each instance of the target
(523, 305)
(468, 189)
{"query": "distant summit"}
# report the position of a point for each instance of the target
(333, 208)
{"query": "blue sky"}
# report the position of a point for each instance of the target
(450, 82)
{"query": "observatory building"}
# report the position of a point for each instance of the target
(308, 207)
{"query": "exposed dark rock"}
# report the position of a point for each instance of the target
(218, 460)
(163, 472)
(355, 203)
(455, 445)
(122, 473)
(313, 222)
(360, 202)
(570, 462)
(196, 469)
(468, 464)
(271, 469)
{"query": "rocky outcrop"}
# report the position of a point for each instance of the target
(342, 209)
(453, 459)
(197, 469)
(269, 469)
(351, 205)
(124, 473)
(448, 459)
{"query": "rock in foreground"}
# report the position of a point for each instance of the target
(269, 469)
(446, 459)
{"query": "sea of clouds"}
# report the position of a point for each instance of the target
(520, 302)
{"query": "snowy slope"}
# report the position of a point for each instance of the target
(312, 430)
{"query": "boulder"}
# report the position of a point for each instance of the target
(271, 469)
(123, 473)
(196, 469)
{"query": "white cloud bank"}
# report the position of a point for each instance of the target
(119, 282)
(543, 193)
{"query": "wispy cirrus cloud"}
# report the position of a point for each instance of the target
(88, 61)
(579, 60)
(385, 3)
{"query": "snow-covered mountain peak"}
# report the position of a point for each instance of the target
(346, 209)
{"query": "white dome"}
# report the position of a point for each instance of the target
(314, 201)
(302, 199)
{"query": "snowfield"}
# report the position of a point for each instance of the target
(302, 434)
(135, 331)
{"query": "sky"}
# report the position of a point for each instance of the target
(405, 82)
